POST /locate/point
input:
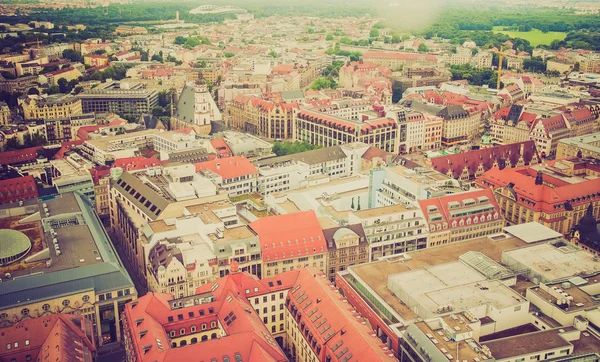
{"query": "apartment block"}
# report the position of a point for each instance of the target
(290, 241)
(55, 106)
(462, 216)
(556, 196)
(321, 129)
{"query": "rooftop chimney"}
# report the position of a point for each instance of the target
(539, 180)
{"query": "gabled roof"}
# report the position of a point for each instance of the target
(440, 210)
(151, 318)
(337, 329)
(54, 337)
(502, 156)
(452, 111)
(550, 199)
(289, 235)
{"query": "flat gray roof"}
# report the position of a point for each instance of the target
(88, 261)
(532, 232)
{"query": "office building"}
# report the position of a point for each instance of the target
(126, 100)
(72, 268)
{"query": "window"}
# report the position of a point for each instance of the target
(8, 346)
(182, 331)
(27, 342)
(517, 308)
(172, 333)
(16, 344)
(213, 324)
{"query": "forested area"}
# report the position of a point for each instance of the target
(459, 23)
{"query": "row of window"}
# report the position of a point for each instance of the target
(193, 329)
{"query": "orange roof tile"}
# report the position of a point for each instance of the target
(229, 167)
(327, 318)
(289, 235)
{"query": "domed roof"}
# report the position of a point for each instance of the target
(342, 232)
(13, 243)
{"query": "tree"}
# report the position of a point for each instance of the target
(329, 37)
(72, 55)
(12, 144)
(321, 83)
(396, 38)
(397, 91)
(423, 48)
(157, 57)
(374, 33)
(474, 51)
(289, 148)
(180, 40)
(535, 64)
(37, 139)
(273, 53)
(63, 86)
(53, 89)
(229, 54)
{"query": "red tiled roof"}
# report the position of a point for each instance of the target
(66, 147)
(84, 131)
(283, 69)
(541, 197)
(501, 156)
(402, 56)
(289, 235)
(99, 172)
(441, 207)
(221, 147)
(16, 156)
(52, 337)
(61, 71)
(229, 167)
(19, 188)
(244, 334)
(118, 122)
(338, 330)
(136, 163)
(553, 123)
(373, 152)
(96, 56)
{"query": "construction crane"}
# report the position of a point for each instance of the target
(500, 54)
